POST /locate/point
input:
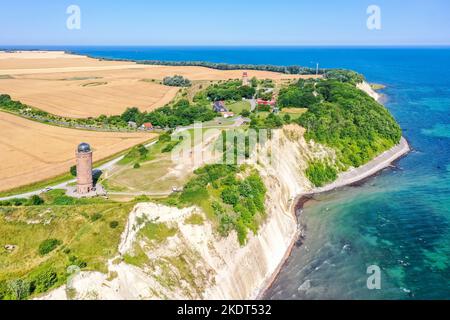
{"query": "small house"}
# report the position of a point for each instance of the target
(262, 102)
(132, 124)
(227, 115)
(219, 106)
(147, 126)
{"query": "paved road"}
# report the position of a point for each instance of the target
(253, 104)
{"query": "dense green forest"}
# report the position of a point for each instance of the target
(300, 95)
(343, 117)
(350, 121)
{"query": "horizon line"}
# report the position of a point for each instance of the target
(232, 45)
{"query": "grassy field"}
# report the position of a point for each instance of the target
(239, 106)
(158, 172)
(83, 229)
(294, 113)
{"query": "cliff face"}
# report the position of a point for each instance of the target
(364, 86)
(193, 262)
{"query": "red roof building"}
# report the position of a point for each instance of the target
(266, 103)
(147, 126)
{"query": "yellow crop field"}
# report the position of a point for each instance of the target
(32, 152)
(80, 87)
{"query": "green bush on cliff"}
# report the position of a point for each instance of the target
(320, 173)
(233, 198)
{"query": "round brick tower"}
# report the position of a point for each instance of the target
(245, 79)
(85, 182)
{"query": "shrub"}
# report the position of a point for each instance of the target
(48, 246)
(136, 166)
(230, 195)
(75, 261)
(36, 201)
(177, 81)
(245, 113)
(114, 224)
(194, 219)
(73, 171)
(320, 173)
(18, 289)
(43, 281)
(96, 216)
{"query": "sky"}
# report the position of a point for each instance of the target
(226, 22)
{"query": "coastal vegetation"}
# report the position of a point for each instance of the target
(342, 75)
(231, 196)
(321, 173)
(351, 122)
(341, 116)
(40, 242)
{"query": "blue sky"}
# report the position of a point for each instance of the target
(231, 22)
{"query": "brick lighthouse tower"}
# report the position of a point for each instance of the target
(85, 182)
(245, 79)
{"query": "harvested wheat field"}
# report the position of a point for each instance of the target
(32, 152)
(80, 87)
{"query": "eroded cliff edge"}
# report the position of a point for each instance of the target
(193, 261)
(196, 263)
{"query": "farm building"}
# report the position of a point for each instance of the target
(219, 106)
(147, 126)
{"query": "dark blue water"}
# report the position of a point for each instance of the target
(399, 220)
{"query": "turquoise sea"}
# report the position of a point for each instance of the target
(398, 220)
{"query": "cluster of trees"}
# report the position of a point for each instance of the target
(236, 203)
(263, 94)
(343, 75)
(226, 66)
(177, 81)
(351, 122)
(229, 90)
(299, 95)
(182, 113)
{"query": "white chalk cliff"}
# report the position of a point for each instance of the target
(197, 263)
